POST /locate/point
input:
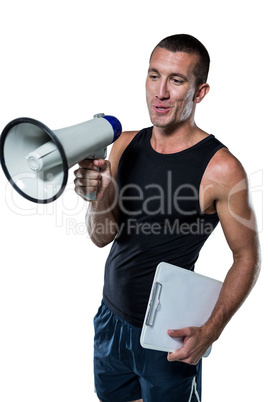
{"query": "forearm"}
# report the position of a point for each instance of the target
(237, 285)
(101, 217)
(101, 222)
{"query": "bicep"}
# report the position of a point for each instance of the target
(117, 150)
(237, 218)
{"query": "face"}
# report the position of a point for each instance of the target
(170, 88)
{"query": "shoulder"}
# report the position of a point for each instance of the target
(125, 138)
(225, 171)
(119, 147)
(225, 167)
(121, 143)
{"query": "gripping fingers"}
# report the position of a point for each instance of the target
(86, 181)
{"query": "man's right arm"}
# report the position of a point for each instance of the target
(101, 217)
(102, 214)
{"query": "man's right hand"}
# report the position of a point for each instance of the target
(93, 175)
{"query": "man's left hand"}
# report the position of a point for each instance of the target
(195, 344)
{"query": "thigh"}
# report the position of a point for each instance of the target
(166, 381)
(170, 381)
(124, 371)
(115, 380)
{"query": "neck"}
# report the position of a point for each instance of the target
(168, 140)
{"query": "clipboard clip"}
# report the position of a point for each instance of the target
(154, 304)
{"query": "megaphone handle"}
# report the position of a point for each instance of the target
(91, 196)
(100, 154)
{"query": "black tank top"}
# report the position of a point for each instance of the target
(160, 220)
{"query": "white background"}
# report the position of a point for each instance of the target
(62, 62)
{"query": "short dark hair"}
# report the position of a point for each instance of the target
(191, 45)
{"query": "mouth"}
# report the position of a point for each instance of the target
(161, 109)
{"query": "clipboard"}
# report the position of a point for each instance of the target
(179, 298)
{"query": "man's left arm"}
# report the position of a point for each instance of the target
(239, 226)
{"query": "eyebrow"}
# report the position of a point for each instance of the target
(154, 70)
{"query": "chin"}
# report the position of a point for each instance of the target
(161, 124)
(159, 121)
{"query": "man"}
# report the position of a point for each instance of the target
(158, 186)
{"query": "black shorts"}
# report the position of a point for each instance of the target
(124, 371)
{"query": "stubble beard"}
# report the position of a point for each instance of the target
(166, 122)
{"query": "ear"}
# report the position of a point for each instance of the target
(201, 92)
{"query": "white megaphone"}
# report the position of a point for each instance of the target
(36, 159)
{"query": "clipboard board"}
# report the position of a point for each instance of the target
(179, 298)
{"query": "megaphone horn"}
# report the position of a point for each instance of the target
(36, 159)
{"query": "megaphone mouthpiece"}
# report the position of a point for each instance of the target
(115, 123)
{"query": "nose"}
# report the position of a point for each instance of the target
(162, 90)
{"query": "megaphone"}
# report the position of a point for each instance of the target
(36, 159)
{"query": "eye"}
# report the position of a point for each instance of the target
(153, 76)
(177, 81)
